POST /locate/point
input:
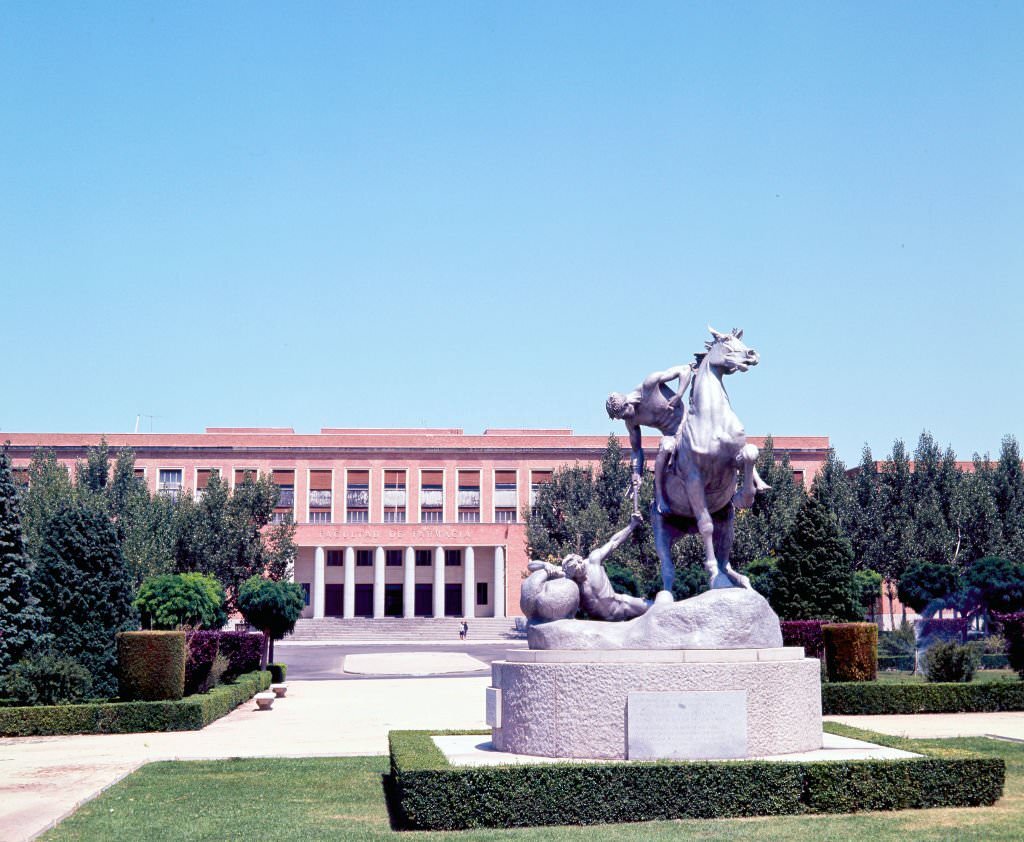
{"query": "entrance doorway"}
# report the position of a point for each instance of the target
(393, 601)
(424, 600)
(364, 600)
(453, 600)
(333, 600)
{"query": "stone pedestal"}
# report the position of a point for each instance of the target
(576, 704)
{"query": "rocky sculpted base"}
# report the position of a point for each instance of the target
(723, 618)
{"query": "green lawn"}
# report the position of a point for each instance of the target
(342, 798)
(887, 677)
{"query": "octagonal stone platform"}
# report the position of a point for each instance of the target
(575, 704)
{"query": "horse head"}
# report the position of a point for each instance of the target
(727, 351)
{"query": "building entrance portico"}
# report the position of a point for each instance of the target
(388, 581)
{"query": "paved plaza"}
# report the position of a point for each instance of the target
(43, 779)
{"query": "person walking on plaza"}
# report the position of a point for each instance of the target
(463, 630)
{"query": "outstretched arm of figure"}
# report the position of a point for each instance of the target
(636, 447)
(553, 570)
(682, 373)
(617, 540)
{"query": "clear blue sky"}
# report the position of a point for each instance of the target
(482, 214)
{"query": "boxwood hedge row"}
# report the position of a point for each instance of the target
(429, 794)
(861, 697)
(188, 714)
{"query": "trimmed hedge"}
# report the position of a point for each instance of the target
(806, 633)
(151, 665)
(242, 650)
(851, 651)
(858, 697)
(904, 663)
(430, 794)
(278, 673)
(188, 714)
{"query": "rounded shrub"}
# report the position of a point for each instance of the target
(951, 662)
(278, 673)
(47, 678)
(151, 665)
(851, 651)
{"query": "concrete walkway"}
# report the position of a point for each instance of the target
(44, 779)
(922, 726)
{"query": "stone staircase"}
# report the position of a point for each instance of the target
(399, 630)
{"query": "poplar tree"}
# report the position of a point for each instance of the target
(1008, 487)
(835, 491)
(982, 526)
(932, 539)
(22, 623)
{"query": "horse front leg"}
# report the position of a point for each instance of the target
(745, 459)
(705, 525)
(726, 577)
(665, 535)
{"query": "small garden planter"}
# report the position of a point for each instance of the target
(265, 701)
(279, 690)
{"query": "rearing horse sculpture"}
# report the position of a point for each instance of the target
(700, 485)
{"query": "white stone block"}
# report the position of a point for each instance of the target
(696, 725)
(494, 707)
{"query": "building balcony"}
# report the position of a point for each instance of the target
(394, 498)
(469, 499)
(356, 498)
(505, 498)
(286, 499)
(320, 499)
(432, 497)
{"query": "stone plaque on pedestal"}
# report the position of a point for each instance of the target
(698, 725)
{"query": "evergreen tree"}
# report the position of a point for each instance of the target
(761, 529)
(1008, 488)
(814, 573)
(85, 590)
(22, 624)
(835, 491)
(926, 581)
(612, 482)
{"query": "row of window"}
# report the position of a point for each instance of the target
(357, 493)
(395, 558)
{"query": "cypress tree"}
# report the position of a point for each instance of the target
(814, 574)
(22, 623)
(85, 589)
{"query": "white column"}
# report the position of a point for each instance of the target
(378, 583)
(438, 581)
(319, 568)
(409, 584)
(499, 581)
(468, 583)
(349, 588)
